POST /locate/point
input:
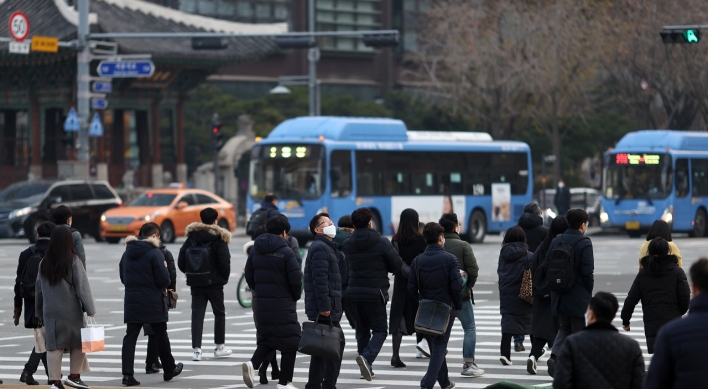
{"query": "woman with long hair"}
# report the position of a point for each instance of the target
(545, 325)
(62, 296)
(660, 229)
(409, 243)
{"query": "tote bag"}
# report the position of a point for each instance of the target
(321, 340)
(92, 337)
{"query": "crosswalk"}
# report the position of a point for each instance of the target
(224, 373)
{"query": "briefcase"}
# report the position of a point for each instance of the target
(321, 340)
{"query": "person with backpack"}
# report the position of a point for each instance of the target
(62, 217)
(27, 270)
(570, 278)
(143, 271)
(545, 326)
(206, 261)
(268, 209)
(662, 288)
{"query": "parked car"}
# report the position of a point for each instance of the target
(24, 205)
(173, 209)
(585, 198)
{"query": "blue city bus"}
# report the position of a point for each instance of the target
(653, 175)
(338, 164)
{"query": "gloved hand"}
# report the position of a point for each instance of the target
(16, 316)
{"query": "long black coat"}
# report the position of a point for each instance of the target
(31, 320)
(534, 229)
(144, 273)
(664, 294)
(575, 302)
(514, 259)
(370, 257)
(323, 283)
(598, 357)
(545, 325)
(171, 268)
(403, 305)
(273, 274)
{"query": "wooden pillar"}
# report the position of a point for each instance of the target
(156, 167)
(36, 135)
(181, 162)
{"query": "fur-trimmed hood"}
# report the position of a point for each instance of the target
(155, 242)
(137, 247)
(212, 229)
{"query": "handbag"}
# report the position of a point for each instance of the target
(526, 291)
(433, 316)
(172, 299)
(93, 337)
(321, 340)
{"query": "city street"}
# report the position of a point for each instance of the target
(616, 264)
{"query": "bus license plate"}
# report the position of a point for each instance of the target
(119, 228)
(631, 225)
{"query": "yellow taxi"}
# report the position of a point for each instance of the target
(172, 209)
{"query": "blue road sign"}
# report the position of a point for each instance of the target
(72, 122)
(140, 68)
(96, 128)
(102, 87)
(98, 103)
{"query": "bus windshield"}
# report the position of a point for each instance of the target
(637, 176)
(293, 171)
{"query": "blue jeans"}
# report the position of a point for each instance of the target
(519, 339)
(466, 316)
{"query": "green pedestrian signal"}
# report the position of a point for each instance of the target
(688, 35)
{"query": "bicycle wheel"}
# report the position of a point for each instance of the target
(243, 293)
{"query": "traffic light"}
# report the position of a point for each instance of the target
(217, 138)
(687, 35)
(295, 42)
(208, 43)
(380, 40)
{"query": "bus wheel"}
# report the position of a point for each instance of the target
(477, 227)
(699, 224)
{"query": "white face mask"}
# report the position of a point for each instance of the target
(561, 184)
(330, 231)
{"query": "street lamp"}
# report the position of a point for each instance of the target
(280, 90)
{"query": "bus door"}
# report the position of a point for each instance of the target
(341, 193)
(683, 209)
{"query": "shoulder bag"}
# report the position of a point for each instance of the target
(433, 316)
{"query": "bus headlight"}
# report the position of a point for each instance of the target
(668, 215)
(604, 217)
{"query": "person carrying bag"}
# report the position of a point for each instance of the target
(321, 340)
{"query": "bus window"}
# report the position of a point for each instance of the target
(699, 167)
(369, 177)
(341, 173)
(681, 177)
(290, 171)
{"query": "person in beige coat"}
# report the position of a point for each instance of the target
(660, 229)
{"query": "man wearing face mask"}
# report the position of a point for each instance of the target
(323, 296)
(371, 257)
(562, 198)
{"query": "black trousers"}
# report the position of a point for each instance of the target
(287, 362)
(568, 326)
(33, 362)
(161, 339)
(537, 346)
(371, 328)
(200, 298)
(324, 372)
(152, 352)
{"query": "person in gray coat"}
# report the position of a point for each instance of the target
(62, 217)
(62, 294)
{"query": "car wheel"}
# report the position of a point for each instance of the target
(223, 223)
(168, 232)
(477, 227)
(699, 224)
(113, 240)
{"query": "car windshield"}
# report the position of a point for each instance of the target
(290, 171)
(149, 199)
(25, 192)
(637, 176)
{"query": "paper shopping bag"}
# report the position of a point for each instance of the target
(40, 342)
(92, 338)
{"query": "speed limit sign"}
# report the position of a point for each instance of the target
(19, 26)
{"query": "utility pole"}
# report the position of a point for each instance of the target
(313, 55)
(82, 92)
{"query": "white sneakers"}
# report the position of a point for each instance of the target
(197, 354)
(288, 386)
(531, 365)
(249, 376)
(505, 361)
(471, 370)
(423, 349)
(220, 351)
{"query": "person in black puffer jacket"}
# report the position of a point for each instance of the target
(532, 223)
(514, 259)
(143, 271)
(323, 296)
(273, 275)
(371, 258)
(662, 288)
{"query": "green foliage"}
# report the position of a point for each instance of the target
(419, 115)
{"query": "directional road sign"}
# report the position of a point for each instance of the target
(139, 68)
(19, 26)
(102, 87)
(99, 103)
(96, 128)
(72, 121)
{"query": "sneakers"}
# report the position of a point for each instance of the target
(373, 375)
(28, 379)
(450, 386)
(249, 376)
(419, 354)
(129, 380)
(471, 370)
(531, 365)
(75, 382)
(288, 386)
(365, 367)
(197, 354)
(56, 385)
(543, 352)
(221, 351)
(519, 347)
(174, 373)
(551, 366)
(505, 361)
(423, 348)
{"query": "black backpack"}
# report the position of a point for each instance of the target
(257, 219)
(28, 278)
(560, 266)
(198, 267)
(539, 277)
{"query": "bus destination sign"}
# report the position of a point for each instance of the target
(637, 159)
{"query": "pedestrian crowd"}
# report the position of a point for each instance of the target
(546, 282)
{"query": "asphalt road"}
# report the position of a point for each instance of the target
(615, 268)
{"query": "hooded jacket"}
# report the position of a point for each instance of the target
(371, 257)
(514, 259)
(143, 271)
(435, 275)
(219, 240)
(664, 293)
(534, 229)
(323, 283)
(273, 274)
(31, 320)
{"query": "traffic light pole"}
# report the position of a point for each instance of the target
(82, 87)
(313, 55)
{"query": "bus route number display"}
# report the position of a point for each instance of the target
(288, 152)
(637, 159)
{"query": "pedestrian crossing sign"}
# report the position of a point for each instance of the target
(72, 124)
(96, 128)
